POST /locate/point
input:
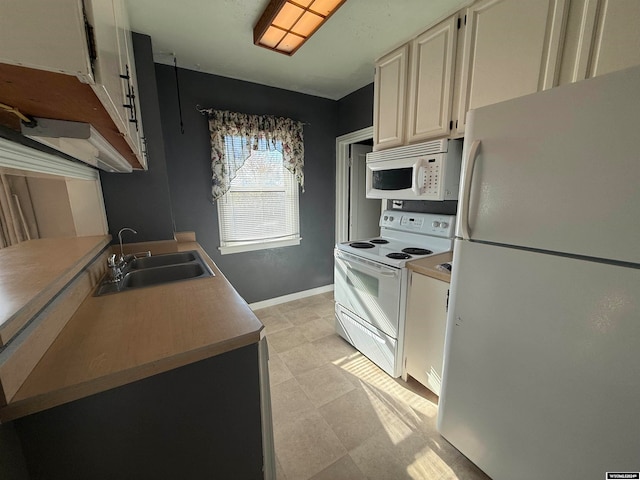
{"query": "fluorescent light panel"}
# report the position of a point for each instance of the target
(286, 24)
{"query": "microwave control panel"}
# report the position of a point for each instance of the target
(430, 177)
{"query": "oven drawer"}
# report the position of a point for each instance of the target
(369, 289)
(377, 346)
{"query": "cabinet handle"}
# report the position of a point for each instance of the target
(126, 75)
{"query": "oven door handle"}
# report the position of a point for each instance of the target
(353, 263)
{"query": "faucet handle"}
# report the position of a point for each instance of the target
(111, 261)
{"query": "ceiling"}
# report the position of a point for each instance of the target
(216, 36)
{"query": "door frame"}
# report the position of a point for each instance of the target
(342, 179)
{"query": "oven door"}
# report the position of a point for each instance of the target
(368, 289)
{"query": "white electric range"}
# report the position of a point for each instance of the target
(371, 282)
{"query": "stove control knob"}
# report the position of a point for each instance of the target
(444, 224)
(435, 224)
(391, 219)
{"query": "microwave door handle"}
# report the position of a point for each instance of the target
(467, 178)
(415, 184)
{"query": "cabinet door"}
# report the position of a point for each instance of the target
(601, 37)
(34, 34)
(389, 99)
(431, 82)
(616, 44)
(425, 329)
(129, 85)
(109, 84)
(511, 49)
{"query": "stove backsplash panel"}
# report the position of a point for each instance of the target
(446, 207)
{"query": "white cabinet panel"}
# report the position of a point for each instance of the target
(511, 49)
(109, 84)
(601, 37)
(431, 81)
(51, 39)
(617, 37)
(129, 86)
(425, 330)
(390, 88)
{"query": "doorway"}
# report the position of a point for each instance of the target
(364, 213)
(356, 216)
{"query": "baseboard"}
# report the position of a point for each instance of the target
(289, 298)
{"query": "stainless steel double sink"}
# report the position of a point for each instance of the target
(157, 270)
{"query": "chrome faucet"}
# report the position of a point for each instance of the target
(118, 264)
(121, 259)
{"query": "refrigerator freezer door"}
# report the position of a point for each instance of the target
(541, 369)
(559, 170)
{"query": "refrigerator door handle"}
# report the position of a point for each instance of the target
(466, 189)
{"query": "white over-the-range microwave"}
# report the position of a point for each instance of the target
(424, 171)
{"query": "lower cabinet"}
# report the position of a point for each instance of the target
(425, 327)
(199, 421)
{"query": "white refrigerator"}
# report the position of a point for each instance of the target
(541, 374)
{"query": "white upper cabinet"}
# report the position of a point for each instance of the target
(88, 39)
(431, 81)
(109, 86)
(52, 39)
(511, 48)
(390, 87)
(130, 84)
(617, 37)
(602, 37)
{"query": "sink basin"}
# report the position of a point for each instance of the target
(162, 260)
(157, 270)
(165, 274)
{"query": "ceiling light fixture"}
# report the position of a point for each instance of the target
(286, 24)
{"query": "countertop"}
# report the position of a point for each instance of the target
(427, 266)
(33, 272)
(120, 338)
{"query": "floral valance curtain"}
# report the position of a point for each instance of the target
(235, 135)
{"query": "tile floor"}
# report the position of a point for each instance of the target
(337, 416)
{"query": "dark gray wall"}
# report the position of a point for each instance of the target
(174, 195)
(141, 200)
(355, 111)
(261, 274)
(12, 462)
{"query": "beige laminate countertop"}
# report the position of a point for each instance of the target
(120, 338)
(33, 272)
(427, 266)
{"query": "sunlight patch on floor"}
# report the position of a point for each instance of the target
(428, 464)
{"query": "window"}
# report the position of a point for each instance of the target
(260, 209)
(257, 163)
